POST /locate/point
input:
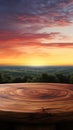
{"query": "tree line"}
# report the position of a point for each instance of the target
(42, 78)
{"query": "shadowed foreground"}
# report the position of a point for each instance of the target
(36, 104)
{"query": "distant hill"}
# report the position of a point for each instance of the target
(62, 74)
(28, 69)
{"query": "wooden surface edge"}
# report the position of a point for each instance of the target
(35, 118)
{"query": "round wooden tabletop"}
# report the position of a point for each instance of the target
(41, 98)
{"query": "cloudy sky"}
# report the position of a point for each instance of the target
(36, 32)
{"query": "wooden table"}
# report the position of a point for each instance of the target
(36, 103)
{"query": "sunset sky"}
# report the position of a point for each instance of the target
(36, 32)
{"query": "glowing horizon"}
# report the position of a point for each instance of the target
(41, 34)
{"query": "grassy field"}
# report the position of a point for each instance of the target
(49, 74)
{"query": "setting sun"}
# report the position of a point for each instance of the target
(36, 61)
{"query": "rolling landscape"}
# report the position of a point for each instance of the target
(28, 74)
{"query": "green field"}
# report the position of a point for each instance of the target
(49, 74)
